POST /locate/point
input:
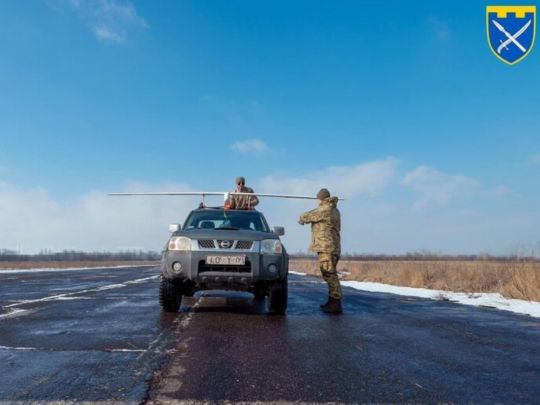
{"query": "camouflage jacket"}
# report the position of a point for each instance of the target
(325, 223)
(243, 202)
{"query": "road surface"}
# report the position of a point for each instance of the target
(99, 335)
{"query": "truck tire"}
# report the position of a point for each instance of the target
(277, 297)
(169, 296)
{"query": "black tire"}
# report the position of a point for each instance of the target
(169, 296)
(277, 297)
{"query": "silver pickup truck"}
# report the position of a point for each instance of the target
(219, 249)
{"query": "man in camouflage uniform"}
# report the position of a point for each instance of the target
(242, 202)
(325, 223)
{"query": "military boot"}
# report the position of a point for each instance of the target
(333, 307)
(325, 304)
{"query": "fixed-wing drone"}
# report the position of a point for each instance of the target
(225, 194)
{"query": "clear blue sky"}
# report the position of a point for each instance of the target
(97, 94)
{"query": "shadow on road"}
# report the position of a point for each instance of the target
(224, 301)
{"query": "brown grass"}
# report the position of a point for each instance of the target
(513, 279)
(69, 264)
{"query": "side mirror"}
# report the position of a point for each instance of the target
(174, 227)
(279, 230)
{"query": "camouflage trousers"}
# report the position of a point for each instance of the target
(328, 266)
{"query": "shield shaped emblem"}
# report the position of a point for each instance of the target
(511, 31)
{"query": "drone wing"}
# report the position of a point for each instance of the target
(173, 193)
(301, 197)
(225, 194)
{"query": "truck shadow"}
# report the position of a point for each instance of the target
(224, 301)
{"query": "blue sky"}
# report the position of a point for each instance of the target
(400, 107)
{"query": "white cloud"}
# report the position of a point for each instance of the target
(434, 187)
(109, 20)
(32, 219)
(367, 178)
(351, 182)
(375, 217)
(535, 159)
(107, 35)
(502, 190)
(386, 224)
(440, 28)
(250, 146)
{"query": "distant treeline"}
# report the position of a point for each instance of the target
(416, 256)
(73, 255)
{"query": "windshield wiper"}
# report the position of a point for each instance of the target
(228, 228)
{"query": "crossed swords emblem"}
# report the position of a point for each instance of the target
(511, 38)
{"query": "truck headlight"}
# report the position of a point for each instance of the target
(179, 243)
(271, 246)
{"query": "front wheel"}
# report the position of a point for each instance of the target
(277, 297)
(170, 297)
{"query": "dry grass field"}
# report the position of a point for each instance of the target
(513, 279)
(68, 264)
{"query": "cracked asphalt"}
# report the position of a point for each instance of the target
(99, 336)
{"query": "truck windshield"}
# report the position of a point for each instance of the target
(218, 219)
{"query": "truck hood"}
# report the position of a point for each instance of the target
(241, 234)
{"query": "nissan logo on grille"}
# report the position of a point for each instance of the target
(225, 244)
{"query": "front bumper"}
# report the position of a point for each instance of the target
(193, 267)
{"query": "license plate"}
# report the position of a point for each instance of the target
(226, 260)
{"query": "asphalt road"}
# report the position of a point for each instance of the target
(98, 335)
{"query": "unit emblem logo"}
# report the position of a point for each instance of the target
(511, 31)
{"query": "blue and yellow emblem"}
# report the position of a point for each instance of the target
(511, 31)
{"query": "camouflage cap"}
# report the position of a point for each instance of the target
(323, 193)
(240, 179)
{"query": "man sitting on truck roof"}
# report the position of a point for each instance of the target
(241, 202)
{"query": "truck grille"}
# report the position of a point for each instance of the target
(205, 268)
(225, 244)
(206, 244)
(244, 244)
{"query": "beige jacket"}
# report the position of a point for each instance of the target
(325, 223)
(243, 202)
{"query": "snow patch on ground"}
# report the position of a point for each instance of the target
(49, 269)
(494, 300)
(16, 348)
(13, 313)
(297, 273)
